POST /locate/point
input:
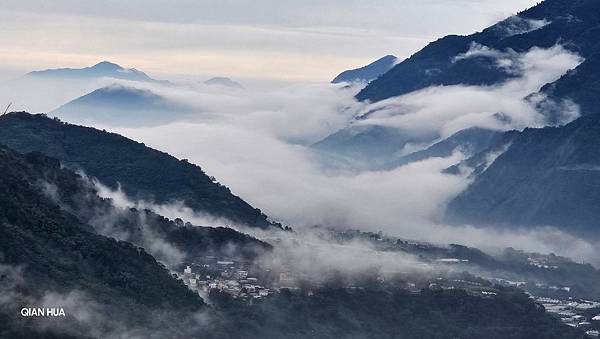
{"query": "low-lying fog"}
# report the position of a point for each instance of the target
(256, 140)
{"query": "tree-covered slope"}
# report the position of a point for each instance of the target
(52, 252)
(394, 313)
(59, 251)
(142, 172)
(581, 85)
(127, 292)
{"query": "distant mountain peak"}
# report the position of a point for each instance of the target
(369, 72)
(103, 69)
(223, 81)
(107, 65)
(389, 57)
(122, 105)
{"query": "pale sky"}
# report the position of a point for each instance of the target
(309, 40)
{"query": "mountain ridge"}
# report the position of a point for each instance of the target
(546, 176)
(570, 22)
(122, 106)
(101, 69)
(46, 253)
(143, 173)
(367, 73)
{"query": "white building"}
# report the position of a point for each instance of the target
(593, 333)
(187, 272)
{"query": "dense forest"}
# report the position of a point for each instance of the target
(46, 249)
(392, 313)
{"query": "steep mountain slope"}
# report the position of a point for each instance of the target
(474, 60)
(171, 241)
(581, 85)
(574, 24)
(104, 69)
(28, 217)
(142, 172)
(122, 290)
(122, 106)
(369, 72)
(547, 176)
(47, 251)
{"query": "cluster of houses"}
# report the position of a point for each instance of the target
(471, 287)
(235, 279)
(246, 282)
(529, 286)
(541, 264)
(574, 313)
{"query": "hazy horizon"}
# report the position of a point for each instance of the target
(273, 40)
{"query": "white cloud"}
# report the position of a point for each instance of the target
(444, 110)
(254, 142)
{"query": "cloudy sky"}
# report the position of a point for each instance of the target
(261, 39)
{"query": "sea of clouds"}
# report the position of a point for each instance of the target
(257, 142)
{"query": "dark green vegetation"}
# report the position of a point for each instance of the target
(142, 172)
(575, 24)
(54, 245)
(220, 241)
(79, 197)
(54, 252)
(51, 221)
(392, 313)
(157, 233)
(48, 253)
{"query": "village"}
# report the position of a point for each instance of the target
(575, 313)
(244, 281)
(238, 279)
